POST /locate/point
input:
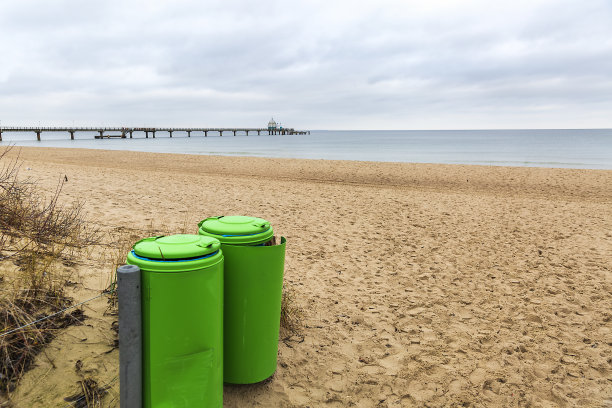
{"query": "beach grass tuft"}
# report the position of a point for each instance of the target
(291, 313)
(39, 237)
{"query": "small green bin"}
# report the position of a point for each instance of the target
(253, 281)
(182, 320)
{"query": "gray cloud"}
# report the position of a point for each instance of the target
(317, 64)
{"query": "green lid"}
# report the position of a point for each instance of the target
(175, 253)
(236, 229)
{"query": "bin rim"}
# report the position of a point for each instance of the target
(175, 253)
(175, 266)
(135, 255)
(236, 229)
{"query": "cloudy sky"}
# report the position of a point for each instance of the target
(317, 64)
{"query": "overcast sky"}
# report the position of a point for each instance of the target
(325, 64)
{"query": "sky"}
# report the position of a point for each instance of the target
(318, 64)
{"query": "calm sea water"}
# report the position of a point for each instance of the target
(584, 149)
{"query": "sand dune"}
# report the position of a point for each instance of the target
(422, 285)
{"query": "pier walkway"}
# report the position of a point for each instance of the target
(125, 132)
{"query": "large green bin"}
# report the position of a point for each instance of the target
(182, 320)
(253, 284)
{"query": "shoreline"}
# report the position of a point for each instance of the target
(528, 181)
(302, 158)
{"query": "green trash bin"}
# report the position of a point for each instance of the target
(253, 284)
(182, 320)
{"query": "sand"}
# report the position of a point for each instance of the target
(421, 285)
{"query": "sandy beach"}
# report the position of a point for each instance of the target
(421, 285)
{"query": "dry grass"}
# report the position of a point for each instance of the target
(37, 236)
(31, 219)
(89, 395)
(19, 348)
(119, 243)
(291, 314)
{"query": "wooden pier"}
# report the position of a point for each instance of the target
(126, 132)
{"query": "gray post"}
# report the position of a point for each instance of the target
(130, 336)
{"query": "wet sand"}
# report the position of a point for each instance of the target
(421, 285)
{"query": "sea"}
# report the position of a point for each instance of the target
(562, 148)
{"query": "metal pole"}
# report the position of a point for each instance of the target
(130, 336)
